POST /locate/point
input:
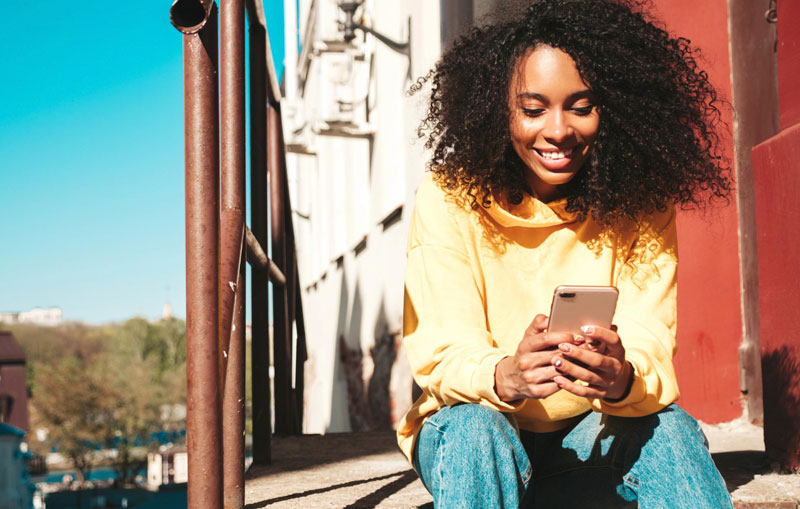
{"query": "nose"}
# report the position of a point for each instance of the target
(556, 128)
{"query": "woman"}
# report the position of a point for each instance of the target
(562, 140)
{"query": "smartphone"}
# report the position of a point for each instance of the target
(574, 306)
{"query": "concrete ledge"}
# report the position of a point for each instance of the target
(353, 470)
(360, 470)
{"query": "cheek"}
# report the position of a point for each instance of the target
(522, 132)
(590, 130)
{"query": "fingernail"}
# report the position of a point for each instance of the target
(588, 329)
(558, 363)
(578, 339)
(564, 347)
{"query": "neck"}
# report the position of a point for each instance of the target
(540, 190)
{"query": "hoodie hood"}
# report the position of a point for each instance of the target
(530, 213)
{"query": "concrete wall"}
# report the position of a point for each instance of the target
(353, 173)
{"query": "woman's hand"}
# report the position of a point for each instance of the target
(601, 365)
(529, 373)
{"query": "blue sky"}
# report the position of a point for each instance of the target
(91, 158)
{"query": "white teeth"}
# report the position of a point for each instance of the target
(553, 155)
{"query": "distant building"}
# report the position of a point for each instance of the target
(13, 388)
(167, 467)
(15, 491)
(37, 316)
(9, 317)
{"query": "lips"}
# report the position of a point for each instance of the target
(557, 159)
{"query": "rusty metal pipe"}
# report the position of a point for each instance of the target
(258, 259)
(190, 16)
(203, 394)
(232, 159)
(281, 327)
(233, 403)
(255, 13)
(259, 342)
(292, 292)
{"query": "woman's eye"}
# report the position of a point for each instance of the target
(583, 110)
(532, 112)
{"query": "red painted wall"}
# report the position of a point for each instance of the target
(709, 305)
(789, 62)
(777, 187)
(776, 175)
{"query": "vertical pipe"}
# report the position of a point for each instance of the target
(233, 408)
(290, 49)
(291, 301)
(302, 353)
(232, 296)
(203, 424)
(280, 322)
(259, 343)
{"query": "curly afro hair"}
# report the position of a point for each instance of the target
(656, 144)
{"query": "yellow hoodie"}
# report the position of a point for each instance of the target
(476, 278)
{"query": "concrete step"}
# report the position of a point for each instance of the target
(353, 470)
(360, 470)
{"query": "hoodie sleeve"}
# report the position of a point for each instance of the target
(452, 354)
(646, 319)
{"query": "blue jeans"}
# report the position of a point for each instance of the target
(471, 456)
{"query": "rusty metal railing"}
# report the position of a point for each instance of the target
(218, 242)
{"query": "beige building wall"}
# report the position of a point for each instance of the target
(354, 163)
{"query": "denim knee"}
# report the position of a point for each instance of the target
(674, 422)
(470, 456)
(470, 418)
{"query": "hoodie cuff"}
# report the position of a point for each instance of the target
(636, 394)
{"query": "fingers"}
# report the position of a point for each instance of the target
(541, 391)
(578, 389)
(592, 360)
(543, 341)
(605, 375)
(527, 376)
(603, 340)
(570, 369)
(539, 324)
(545, 373)
(613, 389)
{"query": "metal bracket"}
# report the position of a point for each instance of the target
(350, 26)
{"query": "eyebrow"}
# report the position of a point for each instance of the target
(580, 94)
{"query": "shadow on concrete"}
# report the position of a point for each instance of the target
(302, 452)
(385, 491)
(740, 467)
(367, 500)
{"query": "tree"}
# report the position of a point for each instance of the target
(75, 405)
(111, 387)
(147, 366)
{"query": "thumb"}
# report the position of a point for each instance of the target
(539, 324)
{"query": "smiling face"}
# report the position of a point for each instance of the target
(553, 119)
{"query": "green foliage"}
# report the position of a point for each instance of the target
(111, 386)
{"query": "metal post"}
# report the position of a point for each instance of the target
(280, 309)
(292, 294)
(232, 295)
(202, 174)
(259, 343)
